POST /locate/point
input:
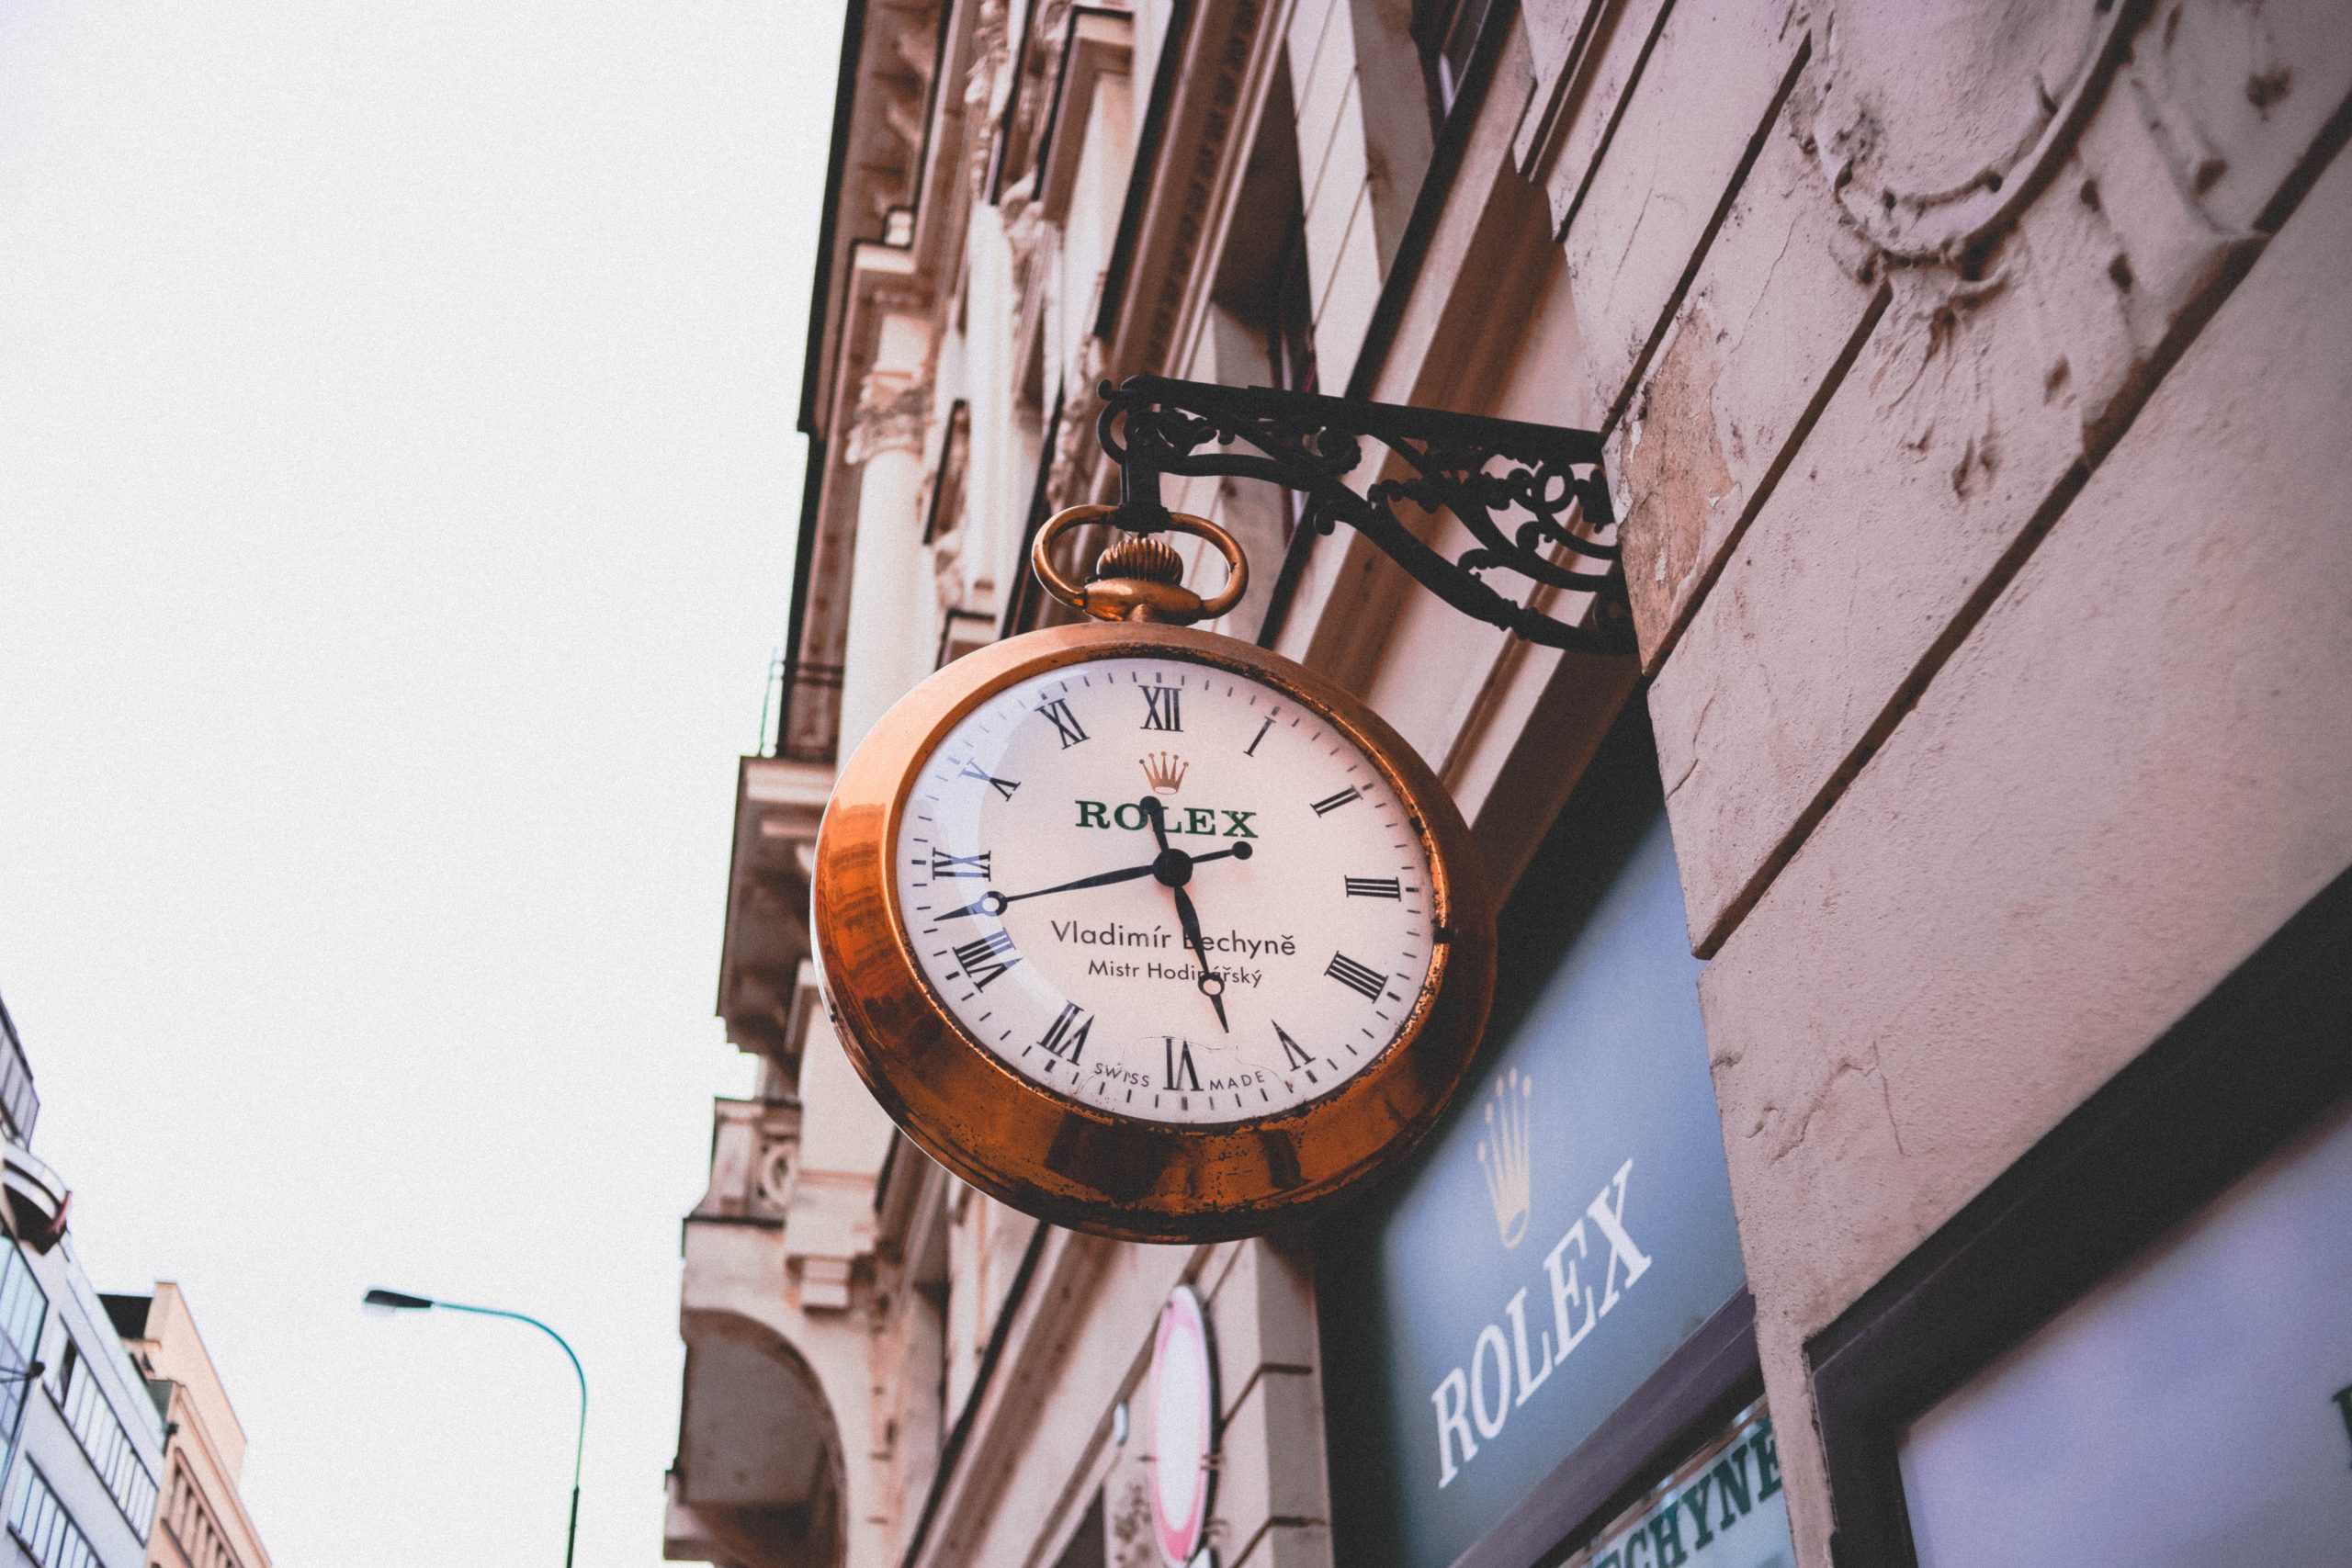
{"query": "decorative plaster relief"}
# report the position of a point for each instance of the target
(778, 1163)
(2129, 775)
(892, 415)
(981, 103)
(1034, 87)
(2015, 348)
(1076, 458)
(1941, 119)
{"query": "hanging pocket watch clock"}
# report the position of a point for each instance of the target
(1146, 930)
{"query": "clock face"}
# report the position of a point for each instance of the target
(1165, 890)
(1149, 933)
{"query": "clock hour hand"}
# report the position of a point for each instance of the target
(1212, 984)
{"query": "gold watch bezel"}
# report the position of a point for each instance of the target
(1082, 1166)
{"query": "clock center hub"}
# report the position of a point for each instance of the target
(1172, 867)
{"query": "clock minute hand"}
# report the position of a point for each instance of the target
(1211, 984)
(994, 903)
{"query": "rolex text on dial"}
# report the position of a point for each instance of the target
(1162, 889)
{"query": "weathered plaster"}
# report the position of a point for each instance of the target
(1991, 382)
(1772, 317)
(1576, 104)
(1697, 113)
(2137, 766)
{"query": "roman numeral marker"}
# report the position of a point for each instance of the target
(1066, 723)
(1065, 1037)
(1362, 978)
(1295, 1055)
(1330, 803)
(1182, 1074)
(1002, 787)
(1373, 887)
(960, 866)
(982, 961)
(1161, 710)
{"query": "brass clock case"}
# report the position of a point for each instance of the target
(1077, 1164)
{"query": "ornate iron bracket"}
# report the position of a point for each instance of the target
(1533, 495)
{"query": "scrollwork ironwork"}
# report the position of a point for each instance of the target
(1533, 497)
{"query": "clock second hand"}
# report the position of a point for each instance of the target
(995, 903)
(1211, 984)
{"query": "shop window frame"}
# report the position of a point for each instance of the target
(1695, 1392)
(1698, 1389)
(2263, 1058)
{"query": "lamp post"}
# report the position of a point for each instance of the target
(400, 1301)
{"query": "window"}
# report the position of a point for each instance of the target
(191, 1525)
(47, 1531)
(22, 1309)
(1261, 279)
(1446, 33)
(103, 1439)
(1265, 305)
(2171, 1254)
(2202, 1394)
(19, 1106)
(1290, 315)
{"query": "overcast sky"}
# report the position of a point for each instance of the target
(397, 486)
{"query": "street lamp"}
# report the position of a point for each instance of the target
(400, 1301)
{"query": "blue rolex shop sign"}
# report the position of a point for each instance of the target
(1565, 1232)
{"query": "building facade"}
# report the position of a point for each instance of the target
(85, 1438)
(1918, 1085)
(201, 1521)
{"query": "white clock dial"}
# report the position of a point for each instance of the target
(1204, 815)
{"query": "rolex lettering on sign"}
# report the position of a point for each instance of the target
(1157, 886)
(1473, 1401)
(1503, 1155)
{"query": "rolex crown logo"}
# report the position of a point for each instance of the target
(1503, 1155)
(1164, 771)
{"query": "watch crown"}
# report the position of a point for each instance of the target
(1142, 558)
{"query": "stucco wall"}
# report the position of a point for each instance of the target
(1989, 543)
(1973, 382)
(2130, 774)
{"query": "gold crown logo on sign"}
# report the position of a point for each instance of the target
(1164, 771)
(1503, 1155)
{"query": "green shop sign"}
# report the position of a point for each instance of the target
(1722, 1509)
(1561, 1235)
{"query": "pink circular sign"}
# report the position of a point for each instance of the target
(1184, 1426)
